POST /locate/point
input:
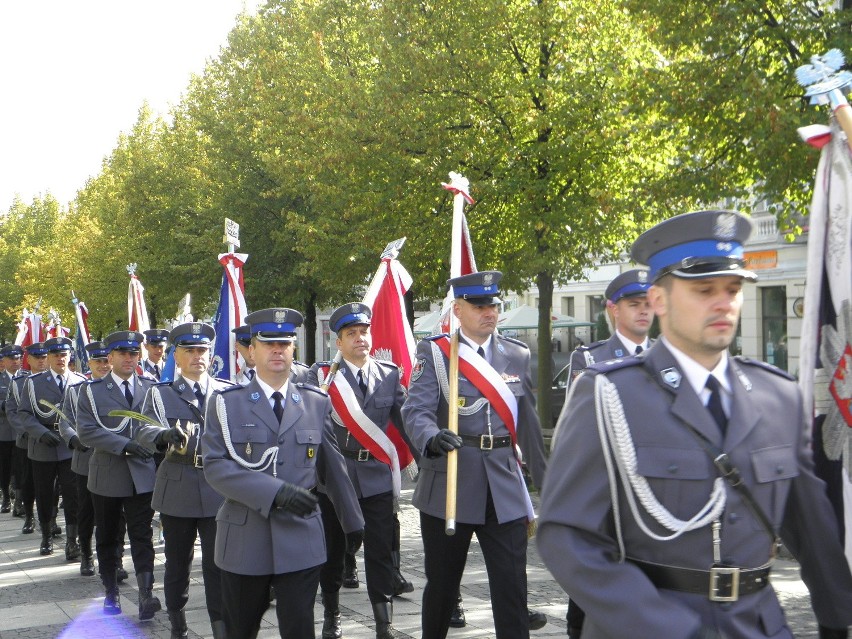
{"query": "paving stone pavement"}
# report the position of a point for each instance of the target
(46, 598)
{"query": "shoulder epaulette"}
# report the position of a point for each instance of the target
(610, 365)
(593, 345)
(78, 375)
(95, 381)
(228, 389)
(432, 338)
(42, 374)
(768, 367)
(311, 387)
(298, 363)
(324, 364)
(21, 373)
(512, 340)
(385, 362)
(163, 383)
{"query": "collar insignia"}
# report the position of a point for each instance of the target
(671, 377)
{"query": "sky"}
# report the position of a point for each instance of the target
(73, 75)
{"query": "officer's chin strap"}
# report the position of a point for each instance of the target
(620, 455)
(269, 457)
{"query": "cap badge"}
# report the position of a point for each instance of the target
(726, 226)
(487, 279)
(279, 316)
(355, 307)
(671, 377)
(642, 276)
(196, 328)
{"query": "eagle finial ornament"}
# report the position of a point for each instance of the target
(823, 75)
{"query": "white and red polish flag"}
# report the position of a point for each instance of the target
(137, 312)
(462, 261)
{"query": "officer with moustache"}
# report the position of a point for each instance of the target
(98, 367)
(37, 360)
(261, 442)
(186, 502)
(121, 470)
(49, 456)
(10, 359)
(366, 394)
(156, 340)
(496, 405)
(675, 472)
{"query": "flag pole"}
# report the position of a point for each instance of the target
(824, 83)
(460, 187)
(390, 253)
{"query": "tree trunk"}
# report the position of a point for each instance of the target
(545, 366)
(310, 354)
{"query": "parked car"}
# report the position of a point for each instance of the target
(558, 392)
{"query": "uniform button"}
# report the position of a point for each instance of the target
(280, 462)
(779, 469)
(280, 440)
(673, 469)
(733, 517)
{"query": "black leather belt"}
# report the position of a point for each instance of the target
(720, 583)
(361, 455)
(487, 442)
(187, 460)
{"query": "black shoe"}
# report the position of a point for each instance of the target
(148, 603)
(120, 574)
(55, 530)
(457, 619)
(177, 619)
(7, 504)
(350, 579)
(87, 566)
(574, 632)
(112, 602)
(18, 508)
(46, 547)
(331, 616)
(29, 526)
(538, 619)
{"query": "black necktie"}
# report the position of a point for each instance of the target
(714, 404)
(127, 393)
(362, 384)
(278, 407)
(481, 352)
(157, 370)
(250, 373)
(60, 383)
(199, 395)
(638, 350)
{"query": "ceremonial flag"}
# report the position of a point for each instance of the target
(462, 261)
(393, 340)
(29, 332)
(826, 344)
(136, 309)
(81, 334)
(229, 315)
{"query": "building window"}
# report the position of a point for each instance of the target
(568, 306)
(774, 324)
(597, 314)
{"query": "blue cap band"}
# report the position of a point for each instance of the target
(271, 327)
(475, 291)
(351, 318)
(633, 288)
(700, 249)
(125, 344)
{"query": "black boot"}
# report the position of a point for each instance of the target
(55, 530)
(72, 548)
(218, 627)
(112, 599)
(46, 547)
(401, 585)
(7, 503)
(148, 603)
(331, 616)
(383, 614)
(178, 620)
(18, 508)
(457, 619)
(29, 525)
(537, 620)
(87, 561)
(350, 571)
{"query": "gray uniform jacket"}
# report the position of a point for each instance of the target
(382, 404)
(148, 369)
(602, 351)
(12, 401)
(425, 412)
(767, 440)
(79, 459)
(252, 536)
(181, 489)
(7, 433)
(112, 472)
(36, 419)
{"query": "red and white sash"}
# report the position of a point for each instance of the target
(366, 432)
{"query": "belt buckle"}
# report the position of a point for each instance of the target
(724, 583)
(363, 455)
(486, 438)
(197, 461)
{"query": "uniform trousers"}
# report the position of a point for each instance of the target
(138, 514)
(23, 470)
(85, 512)
(180, 534)
(45, 475)
(7, 449)
(378, 545)
(246, 597)
(504, 548)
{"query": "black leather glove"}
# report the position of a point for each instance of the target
(50, 439)
(135, 449)
(76, 444)
(445, 441)
(833, 633)
(173, 436)
(354, 540)
(295, 499)
(705, 632)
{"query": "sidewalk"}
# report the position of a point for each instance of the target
(46, 598)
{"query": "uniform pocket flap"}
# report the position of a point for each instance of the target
(308, 437)
(672, 463)
(383, 401)
(233, 513)
(772, 464)
(256, 435)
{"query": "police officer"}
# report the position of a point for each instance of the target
(186, 502)
(98, 367)
(662, 517)
(627, 300)
(495, 403)
(10, 360)
(121, 470)
(366, 394)
(37, 361)
(242, 340)
(49, 456)
(156, 340)
(261, 443)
